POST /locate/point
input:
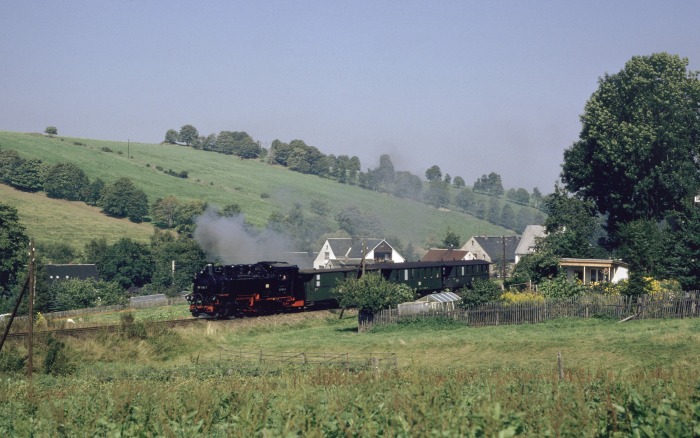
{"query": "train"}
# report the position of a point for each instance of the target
(223, 291)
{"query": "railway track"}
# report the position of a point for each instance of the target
(78, 331)
(274, 319)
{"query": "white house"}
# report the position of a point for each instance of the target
(344, 251)
(527, 241)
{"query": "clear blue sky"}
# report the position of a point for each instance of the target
(473, 87)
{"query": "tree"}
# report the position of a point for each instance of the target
(451, 239)
(508, 217)
(123, 199)
(433, 173)
(407, 185)
(371, 293)
(171, 136)
(13, 247)
(185, 253)
(638, 154)
(438, 194)
(642, 245)
(128, 263)
(65, 181)
(465, 199)
(188, 134)
(458, 182)
(28, 175)
(386, 172)
(164, 211)
(51, 131)
(571, 226)
(93, 192)
(681, 262)
(231, 210)
(482, 292)
(357, 223)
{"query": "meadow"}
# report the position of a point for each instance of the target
(449, 380)
(260, 189)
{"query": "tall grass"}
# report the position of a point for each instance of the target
(640, 377)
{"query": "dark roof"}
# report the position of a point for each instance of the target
(63, 272)
(437, 255)
(493, 246)
(352, 248)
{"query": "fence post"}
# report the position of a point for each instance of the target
(560, 365)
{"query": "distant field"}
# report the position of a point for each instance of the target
(76, 223)
(220, 180)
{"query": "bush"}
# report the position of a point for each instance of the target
(371, 293)
(57, 361)
(11, 360)
(521, 297)
(264, 195)
(482, 291)
(560, 287)
(106, 149)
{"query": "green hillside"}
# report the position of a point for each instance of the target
(260, 189)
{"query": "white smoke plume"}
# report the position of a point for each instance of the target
(230, 241)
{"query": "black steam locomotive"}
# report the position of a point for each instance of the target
(269, 287)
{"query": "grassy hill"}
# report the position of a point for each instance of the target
(259, 188)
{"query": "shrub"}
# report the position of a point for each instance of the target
(482, 291)
(159, 167)
(57, 360)
(521, 297)
(11, 360)
(560, 287)
(106, 149)
(264, 195)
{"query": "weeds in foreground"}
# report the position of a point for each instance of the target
(222, 399)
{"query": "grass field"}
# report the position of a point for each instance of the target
(451, 380)
(221, 179)
(75, 223)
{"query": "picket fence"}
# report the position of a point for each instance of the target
(662, 305)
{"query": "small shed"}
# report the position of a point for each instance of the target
(436, 301)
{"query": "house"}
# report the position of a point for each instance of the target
(595, 270)
(441, 255)
(345, 251)
(71, 272)
(493, 249)
(528, 241)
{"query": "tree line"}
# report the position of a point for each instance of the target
(300, 157)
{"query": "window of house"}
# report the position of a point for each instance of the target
(327, 255)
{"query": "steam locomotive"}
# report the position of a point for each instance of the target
(271, 287)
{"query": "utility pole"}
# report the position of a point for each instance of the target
(503, 239)
(32, 290)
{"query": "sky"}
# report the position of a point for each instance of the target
(472, 86)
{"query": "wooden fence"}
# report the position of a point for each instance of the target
(664, 305)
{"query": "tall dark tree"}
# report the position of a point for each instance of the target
(28, 175)
(65, 181)
(451, 239)
(438, 194)
(458, 182)
(638, 155)
(13, 247)
(465, 199)
(128, 263)
(123, 199)
(571, 226)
